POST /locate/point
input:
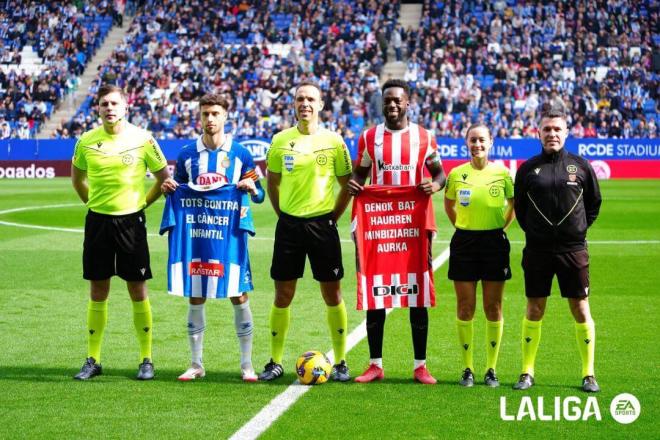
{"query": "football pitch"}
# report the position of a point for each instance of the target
(43, 301)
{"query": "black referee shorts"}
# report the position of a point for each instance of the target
(116, 245)
(571, 268)
(479, 255)
(296, 238)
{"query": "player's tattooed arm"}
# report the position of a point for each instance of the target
(438, 178)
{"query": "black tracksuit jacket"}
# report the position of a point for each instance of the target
(557, 198)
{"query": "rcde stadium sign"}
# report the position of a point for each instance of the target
(611, 158)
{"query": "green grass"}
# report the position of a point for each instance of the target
(42, 341)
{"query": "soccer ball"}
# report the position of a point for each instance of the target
(312, 368)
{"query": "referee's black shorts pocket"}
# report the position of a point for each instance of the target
(130, 231)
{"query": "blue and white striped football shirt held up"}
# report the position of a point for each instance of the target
(228, 164)
(207, 235)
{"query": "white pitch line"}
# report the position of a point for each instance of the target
(80, 230)
(258, 424)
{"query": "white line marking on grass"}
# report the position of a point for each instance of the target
(258, 424)
(80, 230)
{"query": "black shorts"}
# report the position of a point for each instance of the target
(116, 245)
(479, 255)
(296, 238)
(571, 268)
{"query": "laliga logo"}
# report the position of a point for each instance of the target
(256, 147)
(569, 408)
(402, 289)
(625, 409)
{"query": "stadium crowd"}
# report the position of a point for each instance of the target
(64, 36)
(176, 51)
(497, 62)
(470, 61)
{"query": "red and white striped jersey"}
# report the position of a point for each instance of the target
(396, 157)
(391, 229)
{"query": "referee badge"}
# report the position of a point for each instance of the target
(321, 159)
(288, 163)
(127, 159)
(464, 196)
(494, 191)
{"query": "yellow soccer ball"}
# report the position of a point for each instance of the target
(312, 368)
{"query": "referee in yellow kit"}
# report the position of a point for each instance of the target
(108, 172)
(479, 203)
(304, 162)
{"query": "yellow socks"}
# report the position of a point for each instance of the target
(465, 335)
(337, 322)
(494, 331)
(531, 336)
(143, 326)
(279, 326)
(97, 318)
(585, 335)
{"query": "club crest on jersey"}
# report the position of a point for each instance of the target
(321, 159)
(572, 169)
(225, 163)
(288, 163)
(396, 289)
(464, 196)
(127, 159)
(211, 179)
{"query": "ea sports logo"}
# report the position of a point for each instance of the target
(625, 408)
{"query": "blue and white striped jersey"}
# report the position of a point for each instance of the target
(230, 163)
(208, 233)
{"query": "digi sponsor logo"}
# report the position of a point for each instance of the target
(400, 289)
(570, 408)
(201, 268)
(625, 408)
(211, 179)
(257, 148)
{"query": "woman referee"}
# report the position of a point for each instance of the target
(479, 203)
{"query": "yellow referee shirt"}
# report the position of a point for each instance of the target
(480, 196)
(116, 167)
(309, 165)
